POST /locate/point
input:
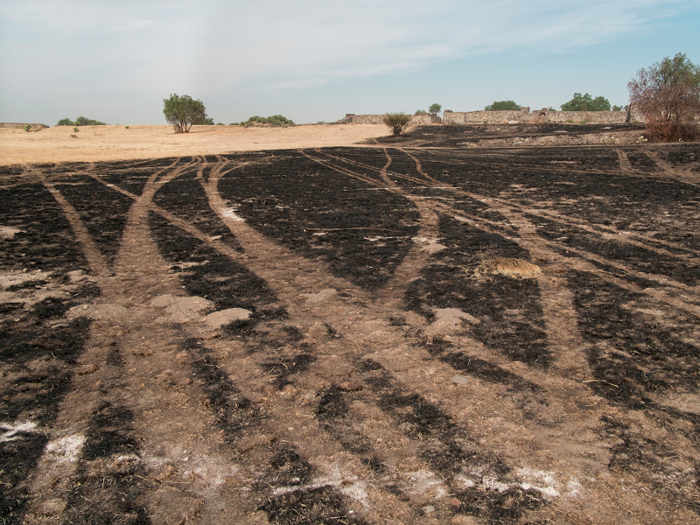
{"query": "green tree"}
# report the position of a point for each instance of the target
(434, 109)
(397, 122)
(503, 105)
(183, 111)
(668, 94)
(65, 122)
(421, 112)
(586, 103)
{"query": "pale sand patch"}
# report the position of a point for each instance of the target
(104, 143)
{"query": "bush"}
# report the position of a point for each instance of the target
(668, 94)
(503, 105)
(274, 120)
(183, 111)
(586, 103)
(397, 122)
(27, 127)
(65, 122)
(75, 130)
(82, 121)
(420, 112)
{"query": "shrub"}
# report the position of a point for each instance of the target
(668, 94)
(503, 105)
(183, 111)
(420, 112)
(397, 122)
(27, 127)
(75, 130)
(65, 122)
(127, 127)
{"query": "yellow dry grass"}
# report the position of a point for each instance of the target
(108, 143)
(508, 267)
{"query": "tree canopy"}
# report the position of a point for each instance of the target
(434, 109)
(586, 103)
(503, 105)
(668, 93)
(183, 111)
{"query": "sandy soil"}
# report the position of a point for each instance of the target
(100, 143)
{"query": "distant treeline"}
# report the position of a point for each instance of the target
(80, 121)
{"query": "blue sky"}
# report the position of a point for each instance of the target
(315, 60)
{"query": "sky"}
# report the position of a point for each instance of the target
(316, 60)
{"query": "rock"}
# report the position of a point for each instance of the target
(181, 309)
(449, 320)
(223, 317)
(460, 380)
(313, 298)
(87, 369)
(318, 331)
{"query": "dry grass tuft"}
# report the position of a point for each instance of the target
(508, 267)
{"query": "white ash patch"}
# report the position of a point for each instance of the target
(348, 485)
(66, 449)
(542, 481)
(429, 244)
(422, 481)
(14, 431)
(230, 213)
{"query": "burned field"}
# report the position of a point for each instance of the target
(387, 334)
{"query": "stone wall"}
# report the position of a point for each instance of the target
(539, 117)
(351, 118)
(20, 125)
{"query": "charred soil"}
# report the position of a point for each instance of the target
(325, 336)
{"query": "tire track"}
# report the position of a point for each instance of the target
(139, 274)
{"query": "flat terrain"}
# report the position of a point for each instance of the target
(101, 143)
(420, 331)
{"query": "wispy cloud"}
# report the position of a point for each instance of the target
(216, 46)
